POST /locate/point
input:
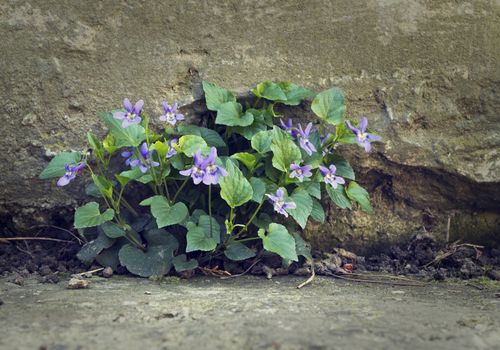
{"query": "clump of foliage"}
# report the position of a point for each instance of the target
(223, 190)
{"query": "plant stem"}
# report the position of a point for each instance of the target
(180, 189)
(250, 220)
(210, 206)
(247, 239)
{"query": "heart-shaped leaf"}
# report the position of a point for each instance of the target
(199, 239)
(56, 167)
(261, 142)
(259, 189)
(216, 95)
(238, 251)
(90, 216)
(182, 264)
(338, 196)
(91, 250)
(329, 105)
(304, 205)
(279, 241)
(235, 188)
(285, 151)
(230, 114)
(167, 215)
(360, 195)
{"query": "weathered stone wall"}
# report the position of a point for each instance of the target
(426, 72)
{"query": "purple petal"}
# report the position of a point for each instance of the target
(143, 168)
(339, 180)
(333, 169)
(308, 129)
(197, 180)
(373, 137)
(186, 172)
(166, 107)
(222, 171)
(126, 154)
(163, 117)
(179, 116)
(198, 159)
(119, 115)
(294, 166)
(324, 170)
(367, 146)
(174, 107)
(363, 124)
(126, 123)
(272, 197)
(63, 181)
(279, 193)
(127, 105)
(144, 150)
(138, 107)
(134, 163)
(289, 205)
(210, 179)
(353, 129)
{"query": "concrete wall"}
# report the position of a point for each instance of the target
(426, 72)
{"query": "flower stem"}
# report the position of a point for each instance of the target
(210, 206)
(250, 220)
(180, 189)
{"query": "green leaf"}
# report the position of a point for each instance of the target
(90, 216)
(344, 169)
(92, 190)
(246, 158)
(182, 264)
(156, 261)
(56, 167)
(96, 145)
(91, 250)
(279, 241)
(190, 144)
(109, 144)
(198, 239)
(204, 223)
(238, 251)
(145, 179)
(230, 113)
(282, 92)
(124, 137)
(109, 256)
(132, 174)
(235, 188)
(259, 189)
(166, 215)
(360, 195)
(104, 186)
(338, 196)
(261, 142)
(160, 148)
(318, 213)
(211, 137)
(285, 151)
(302, 247)
(112, 230)
(312, 187)
(216, 95)
(148, 201)
(329, 105)
(262, 221)
(304, 205)
(260, 118)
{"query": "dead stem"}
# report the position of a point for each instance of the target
(310, 279)
(8, 239)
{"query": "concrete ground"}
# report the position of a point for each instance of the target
(247, 313)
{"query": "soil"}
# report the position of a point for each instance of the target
(422, 256)
(248, 312)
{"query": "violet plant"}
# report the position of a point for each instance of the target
(187, 195)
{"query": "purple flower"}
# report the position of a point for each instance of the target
(300, 171)
(128, 155)
(71, 171)
(288, 127)
(329, 176)
(131, 115)
(212, 170)
(279, 203)
(170, 115)
(362, 137)
(171, 149)
(304, 142)
(145, 163)
(197, 171)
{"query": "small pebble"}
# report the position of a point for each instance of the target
(76, 283)
(45, 270)
(148, 293)
(107, 272)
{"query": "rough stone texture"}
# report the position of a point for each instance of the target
(247, 313)
(425, 72)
